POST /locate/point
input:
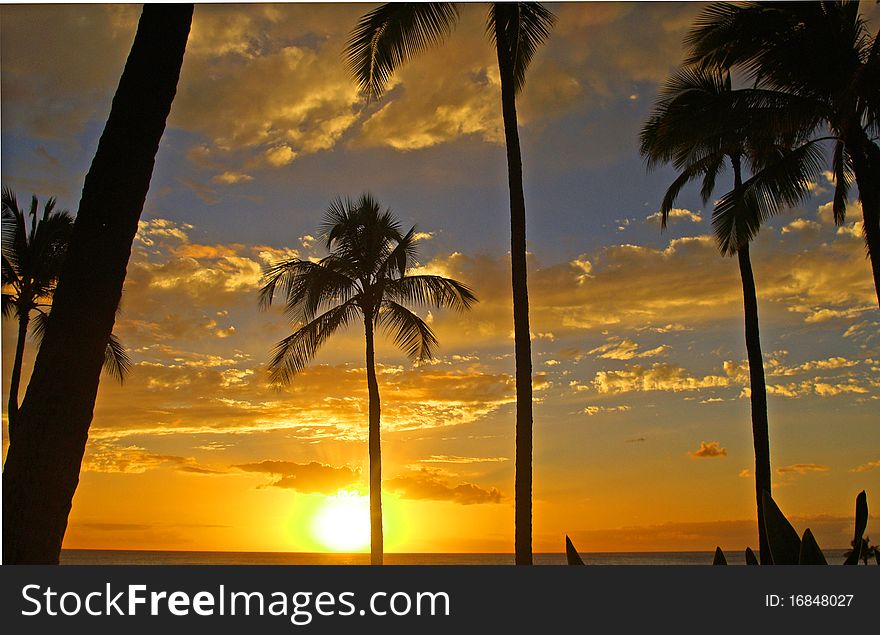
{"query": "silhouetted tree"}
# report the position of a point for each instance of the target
(365, 274)
(44, 459)
(699, 125)
(31, 264)
(823, 63)
(389, 36)
(866, 550)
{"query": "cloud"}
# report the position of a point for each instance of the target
(675, 214)
(866, 467)
(308, 478)
(231, 178)
(107, 457)
(801, 468)
(624, 349)
(659, 376)
(443, 458)
(428, 484)
(594, 410)
(46, 90)
(709, 450)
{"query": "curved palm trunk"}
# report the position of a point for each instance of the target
(760, 427)
(15, 380)
(375, 449)
(866, 166)
(42, 465)
(522, 338)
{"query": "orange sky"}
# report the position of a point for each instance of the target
(642, 432)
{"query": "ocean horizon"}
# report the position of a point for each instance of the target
(137, 557)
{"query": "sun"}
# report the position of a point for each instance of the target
(342, 522)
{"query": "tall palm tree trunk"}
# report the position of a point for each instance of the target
(375, 450)
(521, 334)
(760, 428)
(866, 166)
(757, 385)
(43, 462)
(15, 381)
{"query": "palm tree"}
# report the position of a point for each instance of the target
(699, 125)
(387, 37)
(822, 61)
(55, 415)
(365, 274)
(31, 263)
(866, 550)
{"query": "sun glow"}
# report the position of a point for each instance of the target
(342, 523)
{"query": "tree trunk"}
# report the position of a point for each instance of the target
(521, 333)
(375, 448)
(760, 428)
(42, 465)
(15, 381)
(757, 385)
(866, 166)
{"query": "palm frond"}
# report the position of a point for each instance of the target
(518, 29)
(431, 291)
(740, 213)
(707, 167)
(8, 306)
(8, 272)
(38, 326)
(390, 35)
(843, 178)
(307, 286)
(292, 354)
(410, 333)
(117, 361)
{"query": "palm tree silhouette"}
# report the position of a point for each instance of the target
(699, 124)
(364, 275)
(824, 65)
(389, 36)
(56, 413)
(32, 261)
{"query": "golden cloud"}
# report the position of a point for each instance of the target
(428, 484)
(708, 450)
(309, 478)
(659, 376)
(801, 468)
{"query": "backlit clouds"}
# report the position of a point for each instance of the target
(310, 478)
(709, 450)
(659, 376)
(429, 484)
(266, 84)
(801, 468)
(107, 457)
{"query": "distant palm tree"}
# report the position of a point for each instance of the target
(364, 275)
(32, 257)
(822, 61)
(866, 550)
(389, 36)
(699, 125)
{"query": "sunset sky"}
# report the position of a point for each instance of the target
(642, 430)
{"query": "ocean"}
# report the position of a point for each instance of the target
(119, 557)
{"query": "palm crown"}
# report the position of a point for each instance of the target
(32, 253)
(820, 60)
(364, 274)
(700, 123)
